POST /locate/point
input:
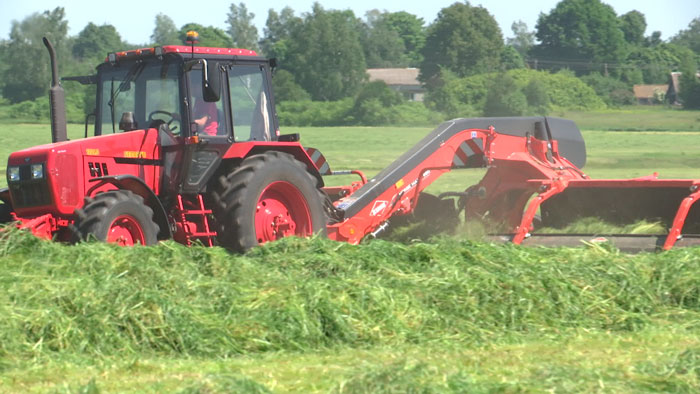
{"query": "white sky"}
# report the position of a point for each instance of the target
(134, 19)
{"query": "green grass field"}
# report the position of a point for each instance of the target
(449, 316)
(672, 152)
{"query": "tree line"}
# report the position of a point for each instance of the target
(323, 55)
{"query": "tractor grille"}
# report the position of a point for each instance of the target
(29, 192)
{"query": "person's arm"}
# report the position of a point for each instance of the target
(204, 113)
(201, 121)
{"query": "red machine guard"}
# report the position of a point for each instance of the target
(523, 161)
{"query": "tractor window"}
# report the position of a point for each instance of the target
(117, 98)
(148, 90)
(207, 117)
(250, 103)
(162, 99)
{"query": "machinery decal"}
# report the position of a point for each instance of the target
(467, 149)
(378, 207)
(135, 154)
(319, 161)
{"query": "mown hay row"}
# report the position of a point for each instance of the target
(309, 294)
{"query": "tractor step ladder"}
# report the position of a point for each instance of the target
(195, 219)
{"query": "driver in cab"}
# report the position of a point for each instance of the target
(205, 113)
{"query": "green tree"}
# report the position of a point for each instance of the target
(277, 33)
(411, 31)
(325, 54)
(537, 97)
(613, 91)
(373, 104)
(522, 39)
(28, 74)
(4, 65)
(689, 37)
(378, 90)
(511, 59)
(463, 39)
(633, 25)
(392, 39)
(286, 88)
(654, 39)
(165, 32)
(656, 62)
(460, 97)
(243, 32)
(504, 98)
(689, 90)
(95, 42)
(580, 31)
(209, 36)
(383, 47)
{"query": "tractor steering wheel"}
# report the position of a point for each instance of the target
(172, 117)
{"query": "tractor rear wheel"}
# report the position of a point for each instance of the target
(117, 216)
(268, 197)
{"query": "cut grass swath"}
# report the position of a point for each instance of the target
(303, 295)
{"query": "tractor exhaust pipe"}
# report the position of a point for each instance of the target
(57, 100)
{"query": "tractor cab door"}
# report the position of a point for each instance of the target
(243, 112)
(209, 128)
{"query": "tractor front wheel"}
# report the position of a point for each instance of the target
(5, 213)
(268, 197)
(117, 216)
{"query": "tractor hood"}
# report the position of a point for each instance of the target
(52, 178)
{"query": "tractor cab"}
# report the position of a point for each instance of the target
(200, 101)
(178, 86)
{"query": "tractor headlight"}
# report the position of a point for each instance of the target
(13, 174)
(37, 171)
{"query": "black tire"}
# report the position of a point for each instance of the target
(238, 196)
(5, 213)
(110, 213)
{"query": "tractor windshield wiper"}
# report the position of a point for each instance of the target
(125, 85)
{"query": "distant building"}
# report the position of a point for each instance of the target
(674, 87)
(403, 80)
(650, 94)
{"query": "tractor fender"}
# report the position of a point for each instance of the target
(138, 186)
(246, 149)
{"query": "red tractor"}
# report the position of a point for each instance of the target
(187, 146)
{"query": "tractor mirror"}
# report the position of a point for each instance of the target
(211, 81)
(211, 78)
